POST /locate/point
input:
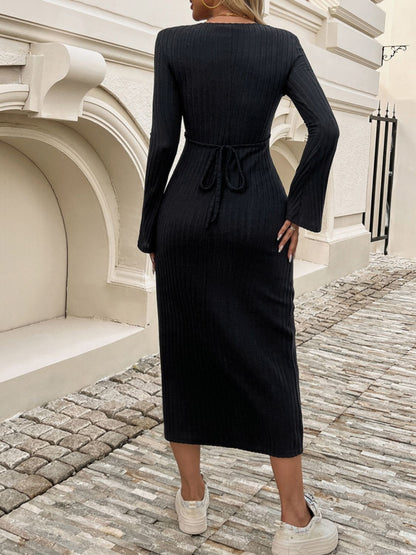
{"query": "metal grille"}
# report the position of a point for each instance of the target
(377, 219)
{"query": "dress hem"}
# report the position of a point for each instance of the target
(271, 453)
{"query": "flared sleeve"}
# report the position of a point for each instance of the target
(305, 202)
(164, 140)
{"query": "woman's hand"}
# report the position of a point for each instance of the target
(291, 235)
(152, 257)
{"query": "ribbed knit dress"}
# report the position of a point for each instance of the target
(224, 294)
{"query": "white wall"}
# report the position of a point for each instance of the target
(398, 86)
(33, 249)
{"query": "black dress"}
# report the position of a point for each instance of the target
(224, 293)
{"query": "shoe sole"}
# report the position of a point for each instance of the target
(190, 526)
(321, 546)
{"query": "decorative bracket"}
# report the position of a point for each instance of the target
(59, 76)
(393, 49)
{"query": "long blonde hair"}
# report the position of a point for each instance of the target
(253, 9)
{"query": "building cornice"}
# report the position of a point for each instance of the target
(366, 17)
(132, 44)
(299, 12)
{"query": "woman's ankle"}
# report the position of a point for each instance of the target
(193, 492)
(297, 517)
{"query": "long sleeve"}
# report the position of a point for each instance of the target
(164, 139)
(305, 202)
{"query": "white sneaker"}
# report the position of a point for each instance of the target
(192, 515)
(319, 537)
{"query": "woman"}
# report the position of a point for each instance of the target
(221, 237)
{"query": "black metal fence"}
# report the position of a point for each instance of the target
(377, 220)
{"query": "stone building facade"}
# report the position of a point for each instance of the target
(78, 297)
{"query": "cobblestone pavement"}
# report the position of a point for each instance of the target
(93, 474)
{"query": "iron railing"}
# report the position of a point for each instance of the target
(384, 153)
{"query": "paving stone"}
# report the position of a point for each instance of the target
(97, 449)
(9, 478)
(84, 401)
(112, 408)
(15, 439)
(95, 415)
(5, 428)
(137, 393)
(32, 485)
(78, 460)
(31, 465)
(137, 388)
(146, 423)
(130, 416)
(75, 425)
(156, 413)
(4, 446)
(58, 405)
(37, 414)
(36, 430)
(113, 439)
(124, 401)
(55, 436)
(12, 457)
(109, 424)
(123, 377)
(56, 471)
(18, 424)
(10, 499)
(75, 411)
(92, 431)
(74, 441)
(52, 452)
(129, 431)
(32, 445)
(56, 420)
(146, 405)
(146, 364)
(152, 388)
(94, 390)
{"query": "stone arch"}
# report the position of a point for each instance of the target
(107, 151)
(102, 317)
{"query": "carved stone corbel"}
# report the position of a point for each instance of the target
(59, 76)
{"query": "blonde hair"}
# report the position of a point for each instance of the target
(253, 9)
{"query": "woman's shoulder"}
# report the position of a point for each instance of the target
(194, 27)
(176, 29)
(286, 34)
(168, 38)
(169, 34)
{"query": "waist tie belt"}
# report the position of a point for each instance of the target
(219, 174)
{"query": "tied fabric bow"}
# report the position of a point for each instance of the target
(220, 174)
(218, 178)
